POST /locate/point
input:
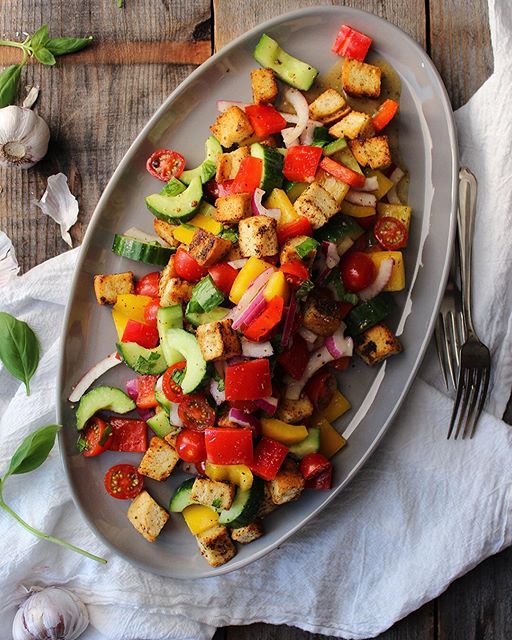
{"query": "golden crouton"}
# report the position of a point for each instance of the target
(266, 506)
(207, 249)
(217, 340)
(373, 152)
(175, 291)
(264, 86)
(231, 127)
(258, 236)
(231, 209)
(328, 107)
(354, 125)
(234, 253)
(229, 163)
(288, 253)
(288, 484)
(159, 460)
(247, 534)
(321, 315)
(171, 438)
(334, 187)
(108, 287)
(294, 411)
(316, 204)
(361, 78)
(377, 344)
(165, 231)
(147, 516)
(218, 495)
(215, 545)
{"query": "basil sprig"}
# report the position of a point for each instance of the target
(19, 348)
(30, 455)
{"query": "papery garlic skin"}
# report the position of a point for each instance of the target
(24, 137)
(53, 613)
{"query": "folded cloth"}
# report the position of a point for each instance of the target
(422, 512)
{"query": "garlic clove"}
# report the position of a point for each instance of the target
(8, 264)
(24, 137)
(60, 204)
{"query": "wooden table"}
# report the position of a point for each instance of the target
(97, 101)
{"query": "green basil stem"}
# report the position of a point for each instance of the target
(11, 43)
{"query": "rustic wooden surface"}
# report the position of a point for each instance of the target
(95, 103)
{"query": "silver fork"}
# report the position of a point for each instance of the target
(475, 359)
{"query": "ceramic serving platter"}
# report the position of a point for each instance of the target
(428, 149)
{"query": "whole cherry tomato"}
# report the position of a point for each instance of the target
(358, 271)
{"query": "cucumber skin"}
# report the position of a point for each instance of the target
(141, 251)
(155, 423)
(178, 502)
(83, 413)
(272, 168)
(159, 366)
(179, 208)
(291, 70)
(250, 509)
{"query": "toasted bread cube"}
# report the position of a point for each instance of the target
(231, 209)
(399, 211)
(267, 505)
(218, 341)
(171, 438)
(354, 125)
(175, 291)
(147, 516)
(373, 152)
(207, 249)
(377, 344)
(294, 411)
(361, 78)
(288, 253)
(258, 237)
(231, 127)
(108, 287)
(316, 204)
(159, 460)
(247, 534)
(328, 107)
(321, 315)
(234, 253)
(334, 187)
(165, 231)
(229, 163)
(288, 484)
(211, 493)
(264, 86)
(166, 274)
(216, 546)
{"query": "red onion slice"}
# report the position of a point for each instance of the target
(318, 359)
(256, 349)
(218, 395)
(370, 184)
(306, 137)
(255, 286)
(132, 388)
(174, 417)
(300, 104)
(254, 309)
(381, 280)
(259, 210)
(330, 251)
(224, 105)
(101, 367)
(308, 335)
(289, 321)
(339, 346)
(244, 420)
(268, 405)
(361, 198)
(238, 264)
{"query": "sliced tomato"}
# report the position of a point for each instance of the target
(151, 311)
(385, 114)
(313, 465)
(391, 233)
(186, 267)
(295, 359)
(343, 173)
(295, 272)
(148, 285)
(358, 271)
(223, 274)
(299, 227)
(196, 413)
(146, 392)
(123, 481)
(265, 119)
(165, 164)
(320, 389)
(248, 176)
(128, 435)
(95, 438)
(190, 445)
(172, 390)
(144, 334)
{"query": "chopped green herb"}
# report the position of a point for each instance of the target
(305, 248)
(178, 374)
(219, 380)
(146, 365)
(229, 234)
(321, 137)
(305, 289)
(216, 504)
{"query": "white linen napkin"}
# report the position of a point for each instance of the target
(422, 512)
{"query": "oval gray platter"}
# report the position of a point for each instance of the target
(428, 147)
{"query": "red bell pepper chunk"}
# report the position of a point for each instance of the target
(128, 435)
(146, 392)
(295, 272)
(301, 163)
(248, 380)
(295, 359)
(350, 43)
(299, 227)
(265, 119)
(343, 173)
(321, 481)
(261, 327)
(269, 455)
(248, 177)
(143, 334)
(226, 445)
(385, 114)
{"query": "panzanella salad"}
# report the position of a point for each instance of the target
(278, 256)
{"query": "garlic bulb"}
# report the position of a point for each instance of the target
(24, 137)
(53, 613)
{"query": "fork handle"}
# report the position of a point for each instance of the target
(466, 224)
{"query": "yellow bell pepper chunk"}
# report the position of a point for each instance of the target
(336, 407)
(276, 286)
(279, 200)
(199, 518)
(128, 307)
(238, 474)
(398, 211)
(207, 223)
(251, 270)
(385, 183)
(356, 210)
(184, 233)
(397, 280)
(330, 440)
(282, 431)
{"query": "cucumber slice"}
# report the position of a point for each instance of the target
(245, 506)
(294, 189)
(142, 360)
(333, 147)
(289, 69)
(369, 313)
(321, 137)
(310, 445)
(173, 188)
(186, 344)
(181, 497)
(179, 208)
(346, 157)
(160, 424)
(215, 315)
(142, 251)
(169, 318)
(109, 398)
(160, 396)
(206, 170)
(338, 229)
(272, 166)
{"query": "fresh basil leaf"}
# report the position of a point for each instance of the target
(19, 348)
(205, 296)
(44, 56)
(62, 46)
(229, 234)
(178, 374)
(9, 82)
(39, 39)
(33, 451)
(146, 365)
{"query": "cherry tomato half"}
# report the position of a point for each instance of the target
(148, 285)
(186, 267)
(196, 413)
(151, 311)
(313, 465)
(190, 445)
(357, 271)
(295, 272)
(320, 389)
(123, 481)
(165, 164)
(172, 390)
(223, 274)
(95, 438)
(391, 233)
